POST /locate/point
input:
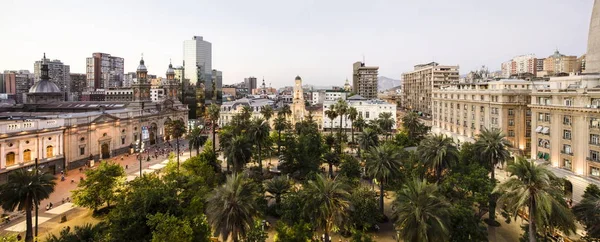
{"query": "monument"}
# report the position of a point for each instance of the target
(592, 58)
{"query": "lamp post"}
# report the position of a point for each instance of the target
(36, 202)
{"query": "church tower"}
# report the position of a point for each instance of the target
(298, 104)
(171, 85)
(141, 89)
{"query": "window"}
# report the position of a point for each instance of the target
(567, 119)
(511, 112)
(594, 123)
(547, 117)
(594, 156)
(49, 151)
(541, 117)
(567, 134)
(10, 159)
(567, 149)
(511, 122)
(366, 114)
(27, 155)
(568, 102)
(511, 133)
(594, 139)
(82, 150)
(528, 113)
(122, 140)
(567, 164)
(594, 171)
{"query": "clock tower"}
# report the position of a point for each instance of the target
(298, 104)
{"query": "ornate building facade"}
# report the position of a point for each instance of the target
(298, 105)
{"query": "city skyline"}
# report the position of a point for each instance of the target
(318, 41)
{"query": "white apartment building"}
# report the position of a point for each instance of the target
(334, 95)
(157, 94)
(368, 109)
(229, 109)
(197, 52)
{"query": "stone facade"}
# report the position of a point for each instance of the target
(592, 61)
(417, 85)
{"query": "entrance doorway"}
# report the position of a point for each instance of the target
(105, 151)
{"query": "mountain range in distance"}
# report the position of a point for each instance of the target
(385, 83)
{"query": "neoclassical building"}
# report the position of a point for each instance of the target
(70, 134)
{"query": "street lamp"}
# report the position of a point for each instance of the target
(139, 147)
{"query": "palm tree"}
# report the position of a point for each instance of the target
(360, 123)
(331, 114)
(438, 152)
(383, 162)
(328, 203)
(420, 212)
(285, 111)
(493, 149)
(213, 114)
(280, 124)
(277, 187)
(331, 158)
(411, 123)
(238, 152)
(196, 140)
(259, 131)
(386, 123)
(267, 112)
(341, 107)
(231, 208)
(588, 212)
(367, 139)
(176, 128)
(24, 192)
(352, 114)
(534, 188)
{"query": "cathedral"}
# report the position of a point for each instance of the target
(67, 135)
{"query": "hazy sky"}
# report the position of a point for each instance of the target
(279, 39)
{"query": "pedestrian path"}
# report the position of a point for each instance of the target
(61, 209)
(22, 226)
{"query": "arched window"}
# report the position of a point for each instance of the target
(27, 155)
(49, 151)
(10, 159)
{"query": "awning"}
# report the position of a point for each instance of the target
(546, 156)
(546, 130)
(540, 154)
(539, 129)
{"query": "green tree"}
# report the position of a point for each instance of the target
(24, 191)
(350, 167)
(196, 140)
(383, 163)
(259, 133)
(238, 152)
(360, 123)
(298, 232)
(331, 158)
(285, 111)
(328, 203)
(257, 233)
(364, 213)
(352, 115)
(246, 113)
(232, 209)
(84, 233)
(277, 187)
(213, 112)
(492, 148)
(176, 128)
(402, 139)
(588, 211)
(341, 107)
(439, 153)
(331, 114)
(367, 139)
(415, 129)
(535, 188)
(280, 124)
(267, 112)
(420, 213)
(100, 186)
(386, 123)
(167, 227)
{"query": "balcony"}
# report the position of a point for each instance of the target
(564, 152)
(592, 159)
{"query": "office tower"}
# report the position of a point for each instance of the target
(59, 73)
(364, 80)
(214, 91)
(104, 71)
(129, 79)
(250, 83)
(17, 83)
(417, 85)
(197, 54)
(78, 85)
(592, 59)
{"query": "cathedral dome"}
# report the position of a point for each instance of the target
(142, 67)
(170, 70)
(298, 78)
(44, 86)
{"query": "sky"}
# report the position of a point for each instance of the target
(279, 39)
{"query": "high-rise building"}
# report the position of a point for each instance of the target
(104, 71)
(129, 79)
(418, 84)
(78, 85)
(250, 82)
(521, 64)
(559, 63)
(17, 83)
(506, 68)
(592, 59)
(214, 91)
(197, 54)
(59, 73)
(364, 80)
